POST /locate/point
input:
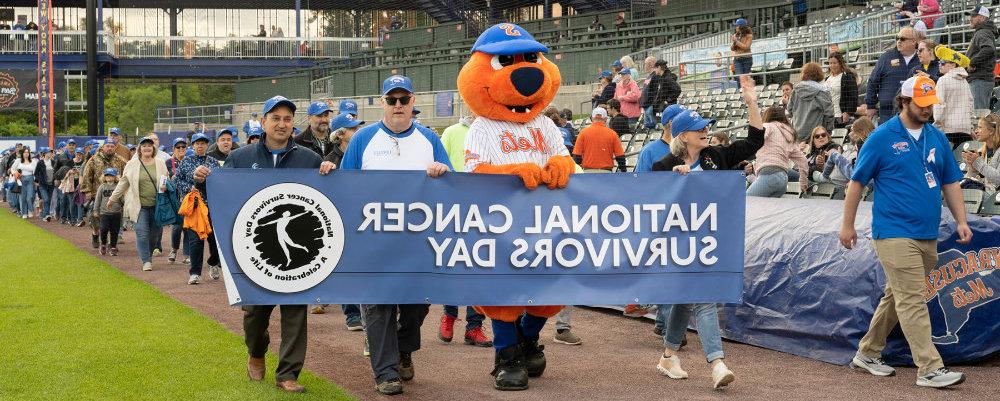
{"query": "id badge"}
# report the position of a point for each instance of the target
(931, 182)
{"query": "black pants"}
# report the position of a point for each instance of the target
(197, 247)
(392, 329)
(110, 225)
(292, 352)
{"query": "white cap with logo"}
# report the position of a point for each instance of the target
(599, 112)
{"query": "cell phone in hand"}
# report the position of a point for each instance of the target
(973, 146)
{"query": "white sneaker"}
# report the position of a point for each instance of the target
(940, 378)
(193, 279)
(214, 272)
(671, 367)
(172, 256)
(187, 261)
(722, 376)
(24, 216)
(874, 366)
(147, 266)
(30, 215)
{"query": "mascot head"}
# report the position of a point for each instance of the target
(508, 78)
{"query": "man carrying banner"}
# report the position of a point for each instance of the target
(911, 163)
(275, 150)
(395, 143)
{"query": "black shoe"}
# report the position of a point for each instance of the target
(658, 331)
(508, 370)
(534, 358)
(405, 366)
(93, 241)
(390, 387)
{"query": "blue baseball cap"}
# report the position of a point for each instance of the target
(296, 131)
(317, 108)
(271, 103)
(670, 112)
(255, 131)
(199, 137)
(93, 151)
(688, 121)
(179, 141)
(625, 71)
(131, 146)
(344, 120)
(61, 144)
(114, 131)
(71, 141)
(111, 171)
(230, 130)
(396, 82)
(605, 74)
(507, 39)
(347, 106)
(616, 63)
(740, 22)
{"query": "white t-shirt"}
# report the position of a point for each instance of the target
(907, 59)
(915, 133)
(833, 84)
(26, 168)
(502, 142)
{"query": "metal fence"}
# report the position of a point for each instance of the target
(188, 47)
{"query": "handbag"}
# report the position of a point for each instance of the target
(167, 205)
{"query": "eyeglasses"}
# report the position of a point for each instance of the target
(404, 100)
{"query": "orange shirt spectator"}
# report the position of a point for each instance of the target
(598, 147)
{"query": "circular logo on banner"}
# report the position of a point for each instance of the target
(288, 237)
(8, 90)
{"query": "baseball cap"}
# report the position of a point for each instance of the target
(625, 71)
(740, 22)
(179, 141)
(71, 141)
(111, 171)
(114, 131)
(396, 82)
(921, 89)
(44, 149)
(344, 120)
(229, 130)
(61, 144)
(254, 114)
(199, 137)
(506, 39)
(948, 55)
(273, 102)
(979, 10)
(688, 121)
(347, 106)
(599, 112)
(130, 146)
(604, 74)
(296, 131)
(670, 112)
(616, 63)
(255, 132)
(318, 107)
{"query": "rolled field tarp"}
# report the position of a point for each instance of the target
(806, 295)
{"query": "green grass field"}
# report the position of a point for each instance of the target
(73, 327)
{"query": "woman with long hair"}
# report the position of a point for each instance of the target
(842, 82)
(25, 166)
(773, 159)
(143, 178)
(840, 165)
(817, 145)
(742, 39)
(984, 165)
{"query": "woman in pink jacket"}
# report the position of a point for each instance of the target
(627, 92)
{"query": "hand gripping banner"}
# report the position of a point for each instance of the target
(395, 237)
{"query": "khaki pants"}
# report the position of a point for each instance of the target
(906, 263)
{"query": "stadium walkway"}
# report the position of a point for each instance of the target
(616, 361)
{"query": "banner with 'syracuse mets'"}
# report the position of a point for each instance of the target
(395, 237)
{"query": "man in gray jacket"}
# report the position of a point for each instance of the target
(982, 54)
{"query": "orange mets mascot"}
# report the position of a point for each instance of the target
(507, 83)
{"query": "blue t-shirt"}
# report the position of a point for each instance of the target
(376, 147)
(905, 204)
(651, 153)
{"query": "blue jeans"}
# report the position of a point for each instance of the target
(772, 185)
(662, 313)
(57, 203)
(14, 200)
(473, 319)
(26, 200)
(982, 91)
(351, 312)
(45, 192)
(145, 227)
(742, 65)
(706, 320)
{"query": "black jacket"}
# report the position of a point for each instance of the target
(42, 173)
(62, 160)
(848, 93)
(670, 90)
(258, 156)
(651, 91)
(218, 155)
(619, 124)
(982, 52)
(607, 94)
(309, 141)
(335, 155)
(720, 157)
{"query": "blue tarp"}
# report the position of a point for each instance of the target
(805, 294)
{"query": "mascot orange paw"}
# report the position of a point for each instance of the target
(557, 170)
(530, 173)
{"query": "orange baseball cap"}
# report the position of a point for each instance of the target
(921, 90)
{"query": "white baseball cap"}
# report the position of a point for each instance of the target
(599, 112)
(979, 10)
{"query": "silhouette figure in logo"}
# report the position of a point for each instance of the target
(281, 226)
(289, 237)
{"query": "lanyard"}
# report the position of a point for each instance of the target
(923, 151)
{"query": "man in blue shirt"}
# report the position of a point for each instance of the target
(911, 163)
(395, 143)
(656, 150)
(892, 68)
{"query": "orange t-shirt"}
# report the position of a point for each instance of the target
(598, 145)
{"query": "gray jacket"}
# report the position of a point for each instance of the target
(810, 106)
(982, 52)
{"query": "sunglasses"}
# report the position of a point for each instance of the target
(822, 135)
(403, 100)
(180, 147)
(902, 38)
